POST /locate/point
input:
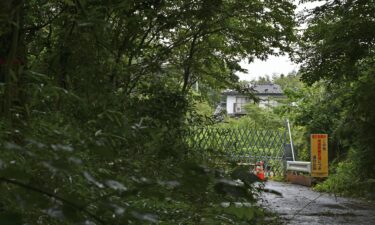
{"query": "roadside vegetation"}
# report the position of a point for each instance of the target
(322, 108)
(337, 56)
(96, 98)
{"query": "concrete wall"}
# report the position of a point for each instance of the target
(265, 102)
(230, 103)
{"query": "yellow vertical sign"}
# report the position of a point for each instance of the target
(319, 155)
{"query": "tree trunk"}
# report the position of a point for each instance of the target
(188, 65)
(13, 61)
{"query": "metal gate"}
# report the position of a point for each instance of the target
(242, 145)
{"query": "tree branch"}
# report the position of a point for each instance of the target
(40, 26)
(187, 67)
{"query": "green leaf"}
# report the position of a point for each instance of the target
(15, 173)
(231, 188)
(10, 218)
(69, 2)
(240, 211)
(244, 175)
(71, 214)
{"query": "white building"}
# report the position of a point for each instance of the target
(234, 102)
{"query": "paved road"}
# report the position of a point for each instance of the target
(301, 205)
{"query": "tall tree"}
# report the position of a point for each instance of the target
(13, 57)
(339, 37)
(338, 46)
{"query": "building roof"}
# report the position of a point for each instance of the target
(259, 89)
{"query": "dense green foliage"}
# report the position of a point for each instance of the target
(95, 100)
(256, 118)
(338, 48)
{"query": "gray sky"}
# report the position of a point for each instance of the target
(274, 65)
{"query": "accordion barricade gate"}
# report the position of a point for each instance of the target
(244, 146)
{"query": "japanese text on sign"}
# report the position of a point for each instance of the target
(319, 155)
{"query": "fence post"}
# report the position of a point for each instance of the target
(285, 149)
(291, 139)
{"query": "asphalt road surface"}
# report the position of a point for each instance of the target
(301, 205)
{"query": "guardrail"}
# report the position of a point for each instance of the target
(299, 166)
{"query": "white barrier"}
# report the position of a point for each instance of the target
(299, 166)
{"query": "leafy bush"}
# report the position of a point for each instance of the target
(344, 180)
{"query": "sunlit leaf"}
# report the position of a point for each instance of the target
(91, 179)
(147, 217)
(115, 185)
(55, 213)
(57, 147)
